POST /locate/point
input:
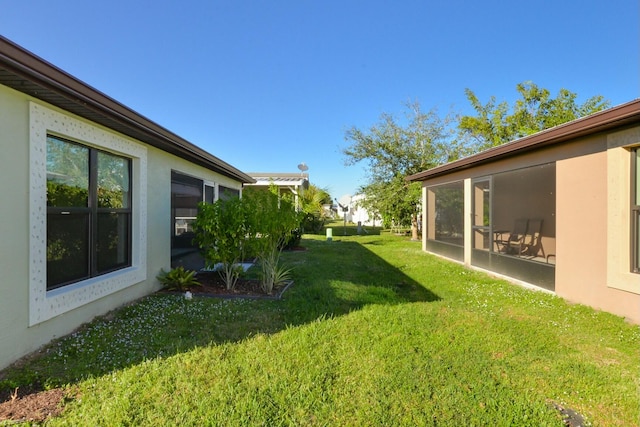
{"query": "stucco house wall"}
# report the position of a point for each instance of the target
(588, 186)
(31, 316)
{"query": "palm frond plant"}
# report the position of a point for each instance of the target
(178, 279)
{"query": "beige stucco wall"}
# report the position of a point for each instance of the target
(14, 222)
(17, 338)
(581, 221)
(585, 271)
(592, 218)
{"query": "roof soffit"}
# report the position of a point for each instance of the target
(33, 76)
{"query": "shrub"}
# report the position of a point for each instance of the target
(272, 222)
(313, 223)
(293, 240)
(178, 279)
(221, 229)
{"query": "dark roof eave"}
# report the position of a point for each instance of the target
(616, 117)
(27, 73)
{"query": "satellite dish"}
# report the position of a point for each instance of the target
(303, 167)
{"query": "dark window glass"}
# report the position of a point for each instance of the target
(226, 193)
(186, 193)
(209, 194)
(88, 212)
(67, 248)
(113, 242)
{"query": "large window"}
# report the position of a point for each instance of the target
(88, 212)
(635, 212)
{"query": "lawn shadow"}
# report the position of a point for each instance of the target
(335, 278)
(330, 279)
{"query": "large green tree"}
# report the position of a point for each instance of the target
(392, 150)
(535, 110)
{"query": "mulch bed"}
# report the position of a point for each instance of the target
(212, 285)
(33, 407)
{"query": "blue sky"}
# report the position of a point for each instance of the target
(267, 85)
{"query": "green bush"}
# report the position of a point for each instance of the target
(221, 232)
(272, 224)
(313, 223)
(260, 224)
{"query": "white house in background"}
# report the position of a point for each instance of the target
(359, 213)
(96, 199)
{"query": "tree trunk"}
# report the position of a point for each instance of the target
(414, 227)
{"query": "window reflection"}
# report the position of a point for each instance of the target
(67, 174)
(113, 181)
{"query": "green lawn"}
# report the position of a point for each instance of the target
(374, 332)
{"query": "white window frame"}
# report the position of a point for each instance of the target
(619, 146)
(43, 304)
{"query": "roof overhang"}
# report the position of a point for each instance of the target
(27, 73)
(280, 179)
(617, 117)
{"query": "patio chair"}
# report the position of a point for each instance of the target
(514, 243)
(532, 243)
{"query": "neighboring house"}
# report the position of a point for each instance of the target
(359, 214)
(95, 198)
(559, 209)
(293, 183)
(330, 210)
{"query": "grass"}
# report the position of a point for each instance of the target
(374, 332)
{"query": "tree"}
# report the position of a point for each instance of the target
(312, 201)
(392, 151)
(496, 124)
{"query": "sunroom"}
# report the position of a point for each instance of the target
(511, 226)
(557, 210)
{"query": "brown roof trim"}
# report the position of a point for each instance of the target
(615, 117)
(25, 72)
